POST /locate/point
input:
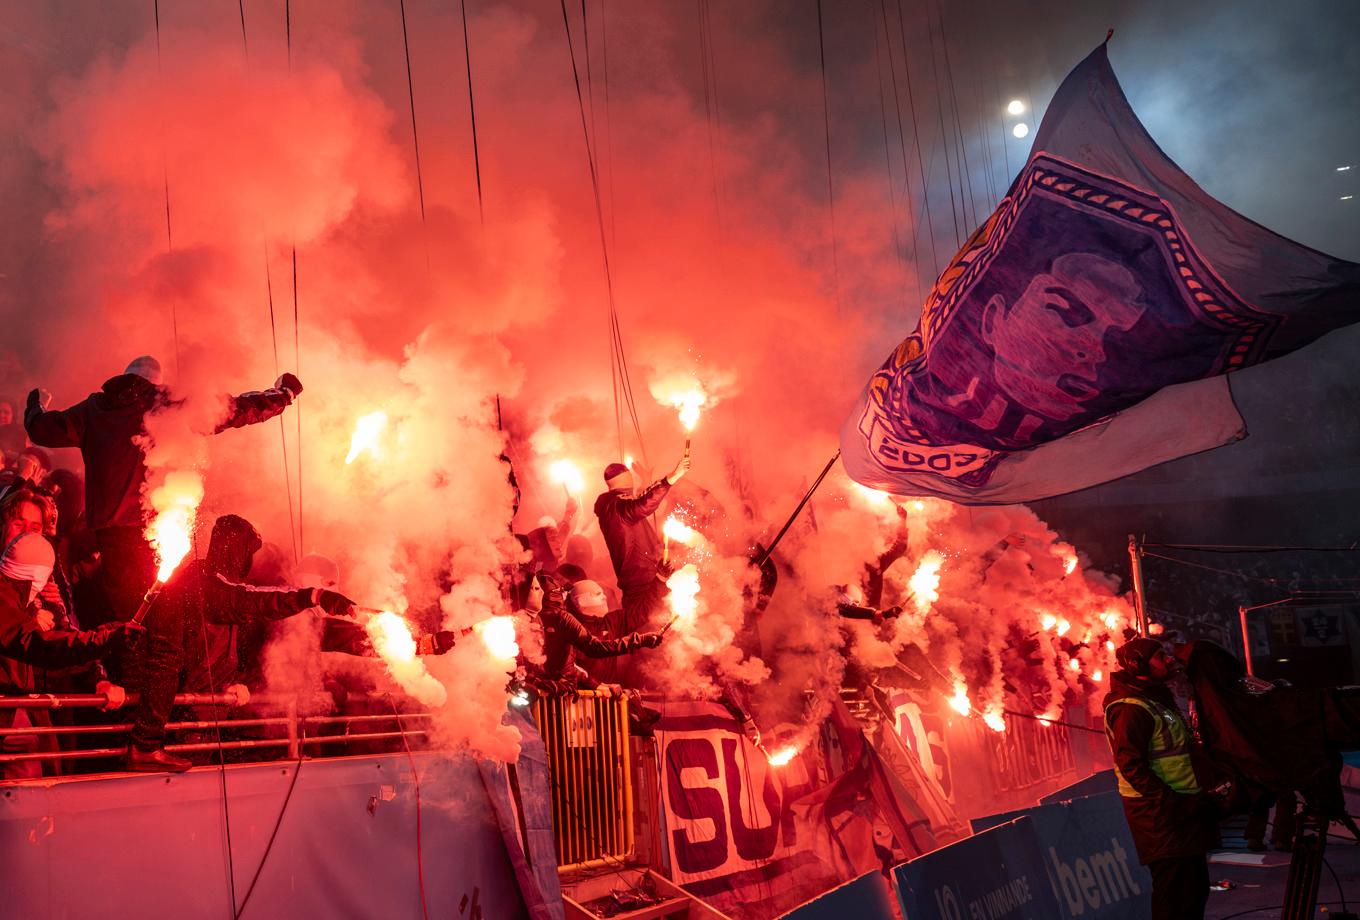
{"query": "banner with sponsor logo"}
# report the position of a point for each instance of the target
(756, 840)
(1088, 853)
(996, 875)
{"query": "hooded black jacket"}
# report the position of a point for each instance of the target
(1164, 823)
(633, 545)
(104, 426)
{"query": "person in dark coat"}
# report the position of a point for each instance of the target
(1173, 820)
(28, 641)
(106, 426)
(558, 614)
(630, 535)
(202, 592)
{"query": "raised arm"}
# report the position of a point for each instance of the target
(255, 407)
(645, 505)
(54, 427)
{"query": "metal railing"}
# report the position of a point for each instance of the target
(589, 777)
(296, 735)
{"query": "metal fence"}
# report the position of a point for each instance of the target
(283, 730)
(589, 777)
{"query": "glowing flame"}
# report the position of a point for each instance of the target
(391, 637)
(568, 474)
(1048, 621)
(392, 640)
(994, 720)
(498, 635)
(1110, 619)
(1074, 664)
(1098, 676)
(367, 430)
(925, 581)
(1070, 565)
(1063, 626)
(918, 506)
(1109, 644)
(959, 701)
(684, 596)
(628, 460)
(689, 403)
(872, 496)
(783, 756)
(170, 532)
(677, 530)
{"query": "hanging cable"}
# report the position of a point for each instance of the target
(415, 780)
(944, 133)
(620, 369)
(472, 113)
(966, 176)
(165, 176)
(915, 129)
(297, 347)
(283, 439)
(415, 134)
(830, 186)
(887, 156)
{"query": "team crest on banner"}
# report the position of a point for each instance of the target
(1056, 314)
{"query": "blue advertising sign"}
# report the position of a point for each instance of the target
(995, 875)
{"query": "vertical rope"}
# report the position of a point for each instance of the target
(472, 114)
(915, 126)
(165, 177)
(944, 133)
(616, 336)
(297, 348)
(887, 155)
(830, 186)
(415, 134)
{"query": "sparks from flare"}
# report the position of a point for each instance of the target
(1047, 621)
(1074, 664)
(677, 530)
(783, 756)
(1063, 626)
(367, 430)
(925, 582)
(1070, 565)
(994, 720)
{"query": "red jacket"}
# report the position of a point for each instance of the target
(103, 426)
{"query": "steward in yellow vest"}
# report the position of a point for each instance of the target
(1173, 822)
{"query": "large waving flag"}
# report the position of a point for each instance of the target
(1084, 331)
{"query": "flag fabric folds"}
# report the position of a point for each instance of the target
(1085, 330)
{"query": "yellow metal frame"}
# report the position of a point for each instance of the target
(590, 777)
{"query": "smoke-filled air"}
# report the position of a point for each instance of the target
(243, 206)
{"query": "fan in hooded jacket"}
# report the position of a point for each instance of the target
(106, 426)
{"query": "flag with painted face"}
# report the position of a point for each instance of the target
(1085, 330)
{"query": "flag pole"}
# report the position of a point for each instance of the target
(1139, 592)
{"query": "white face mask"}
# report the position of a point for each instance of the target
(35, 574)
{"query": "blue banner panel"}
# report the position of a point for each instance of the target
(995, 875)
(868, 897)
(1092, 862)
(157, 845)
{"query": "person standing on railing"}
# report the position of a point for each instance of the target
(106, 426)
(206, 591)
(630, 535)
(27, 639)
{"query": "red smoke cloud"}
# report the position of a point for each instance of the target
(719, 240)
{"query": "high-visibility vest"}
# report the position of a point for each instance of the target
(1168, 751)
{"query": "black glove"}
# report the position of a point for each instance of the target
(333, 602)
(119, 634)
(34, 400)
(290, 383)
(892, 613)
(645, 640)
(443, 641)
